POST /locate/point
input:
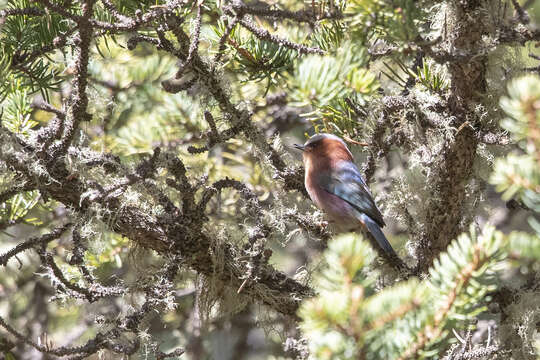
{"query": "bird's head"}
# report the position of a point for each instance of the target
(323, 148)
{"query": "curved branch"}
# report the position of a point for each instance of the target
(167, 234)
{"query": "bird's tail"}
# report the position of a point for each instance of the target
(377, 233)
(382, 246)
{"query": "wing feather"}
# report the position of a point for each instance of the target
(347, 183)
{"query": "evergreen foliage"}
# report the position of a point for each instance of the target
(150, 206)
(352, 318)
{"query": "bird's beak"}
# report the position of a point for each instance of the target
(299, 147)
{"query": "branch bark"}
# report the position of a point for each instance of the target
(445, 206)
(182, 235)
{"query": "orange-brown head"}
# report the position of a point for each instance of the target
(322, 152)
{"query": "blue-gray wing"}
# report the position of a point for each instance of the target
(346, 182)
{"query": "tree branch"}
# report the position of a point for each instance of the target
(33, 242)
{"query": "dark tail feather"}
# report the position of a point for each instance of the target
(382, 245)
(377, 233)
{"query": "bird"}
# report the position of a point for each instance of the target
(336, 186)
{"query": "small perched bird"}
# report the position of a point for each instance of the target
(336, 186)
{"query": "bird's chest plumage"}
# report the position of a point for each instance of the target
(337, 209)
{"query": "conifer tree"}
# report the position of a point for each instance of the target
(150, 206)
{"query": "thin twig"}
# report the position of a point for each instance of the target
(224, 37)
(32, 242)
(42, 105)
(194, 43)
(263, 34)
(31, 11)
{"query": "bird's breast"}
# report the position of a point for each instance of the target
(337, 209)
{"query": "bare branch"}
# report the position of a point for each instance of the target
(97, 293)
(177, 352)
(32, 11)
(33, 242)
(224, 37)
(100, 341)
(114, 11)
(42, 105)
(298, 16)
(522, 15)
(194, 43)
(263, 34)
